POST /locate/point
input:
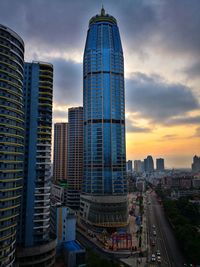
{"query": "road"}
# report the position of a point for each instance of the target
(164, 238)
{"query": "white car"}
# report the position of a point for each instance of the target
(154, 233)
(153, 257)
(158, 259)
(158, 252)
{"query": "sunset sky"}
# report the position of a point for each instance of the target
(161, 43)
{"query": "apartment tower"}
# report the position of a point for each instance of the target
(11, 140)
(60, 151)
(36, 247)
(75, 156)
(104, 193)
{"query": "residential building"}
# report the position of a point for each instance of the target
(138, 166)
(104, 193)
(75, 156)
(149, 164)
(63, 224)
(35, 245)
(196, 164)
(59, 192)
(160, 164)
(129, 166)
(60, 151)
(11, 140)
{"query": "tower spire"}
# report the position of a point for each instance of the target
(102, 11)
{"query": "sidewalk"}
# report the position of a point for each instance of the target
(133, 262)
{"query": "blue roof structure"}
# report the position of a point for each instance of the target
(72, 246)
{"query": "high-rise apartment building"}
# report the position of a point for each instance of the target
(129, 166)
(60, 151)
(138, 166)
(160, 164)
(104, 198)
(196, 164)
(75, 156)
(11, 140)
(149, 164)
(36, 248)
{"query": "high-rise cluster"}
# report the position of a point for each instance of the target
(25, 153)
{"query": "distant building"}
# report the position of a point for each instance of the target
(196, 164)
(138, 166)
(75, 156)
(140, 184)
(59, 192)
(149, 164)
(196, 183)
(160, 164)
(60, 151)
(129, 166)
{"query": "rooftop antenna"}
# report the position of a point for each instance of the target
(103, 11)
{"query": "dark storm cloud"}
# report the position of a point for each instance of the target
(67, 82)
(155, 99)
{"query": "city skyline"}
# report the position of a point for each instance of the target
(161, 52)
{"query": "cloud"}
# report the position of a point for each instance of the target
(193, 70)
(132, 127)
(155, 99)
(58, 114)
(173, 25)
(169, 137)
(67, 82)
(183, 120)
(197, 133)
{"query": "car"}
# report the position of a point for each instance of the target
(153, 242)
(153, 257)
(158, 259)
(154, 233)
(158, 252)
(153, 226)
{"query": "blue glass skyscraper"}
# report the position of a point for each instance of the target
(103, 200)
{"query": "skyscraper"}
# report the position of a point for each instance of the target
(11, 140)
(60, 151)
(160, 164)
(149, 164)
(75, 156)
(138, 166)
(104, 198)
(35, 220)
(196, 164)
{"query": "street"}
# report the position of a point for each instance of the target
(160, 236)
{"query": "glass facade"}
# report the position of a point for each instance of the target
(104, 109)
(11, 140)
(104, 192)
